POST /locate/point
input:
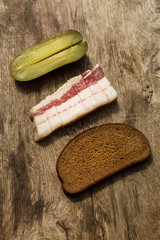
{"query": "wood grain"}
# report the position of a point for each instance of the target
(123, 36)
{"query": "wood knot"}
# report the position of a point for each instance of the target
(157, 10)
(147, 92)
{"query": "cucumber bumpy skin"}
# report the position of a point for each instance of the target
(49, 55)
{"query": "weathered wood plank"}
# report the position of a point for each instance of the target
(123, 36)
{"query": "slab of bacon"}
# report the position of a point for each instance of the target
(77, 97)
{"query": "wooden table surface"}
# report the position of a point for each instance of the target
(124, 38)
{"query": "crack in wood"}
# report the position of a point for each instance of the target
(98, 228)
(65, 229)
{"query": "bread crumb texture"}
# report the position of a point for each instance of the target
(98, 153)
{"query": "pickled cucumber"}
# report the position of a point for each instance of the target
(59, 50)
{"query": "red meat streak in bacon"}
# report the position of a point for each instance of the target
(96, 75)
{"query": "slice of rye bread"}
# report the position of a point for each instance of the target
(98, 153)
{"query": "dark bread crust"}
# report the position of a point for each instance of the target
(99, 152)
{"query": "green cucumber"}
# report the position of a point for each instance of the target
(49, 55)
